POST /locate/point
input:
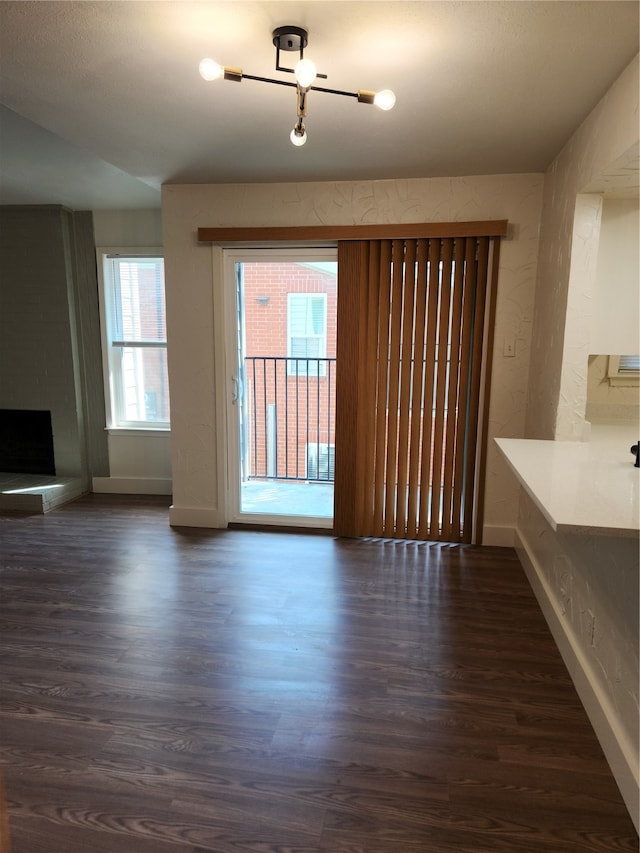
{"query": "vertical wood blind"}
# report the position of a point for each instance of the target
(411, 340)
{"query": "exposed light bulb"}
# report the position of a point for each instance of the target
(210, 70)
(305, 72)
(298, 136)
(385, 99)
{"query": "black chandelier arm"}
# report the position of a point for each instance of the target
(333, 91)
(295, 85)
(269, 80)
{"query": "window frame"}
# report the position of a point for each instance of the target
(622, 376)
(111, 356)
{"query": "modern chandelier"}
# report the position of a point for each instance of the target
(295, 39)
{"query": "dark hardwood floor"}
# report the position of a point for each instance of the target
(183, 691)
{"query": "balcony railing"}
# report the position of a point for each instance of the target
(288, 425)
(288, 429)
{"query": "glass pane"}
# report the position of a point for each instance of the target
(140, 304)
(145, 385)
(317, 315)
(305, 347)
(288, 409)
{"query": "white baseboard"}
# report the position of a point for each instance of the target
(185, 516)
(619, 752)
(132, 485)
(499, 535)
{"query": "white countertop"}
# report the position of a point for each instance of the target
(581, 487)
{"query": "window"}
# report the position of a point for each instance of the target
(624, 370)
(134, 339)
(306, 333)
(321, 461)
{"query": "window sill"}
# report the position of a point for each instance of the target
(625, 378)
(622, 381)
(138, 430)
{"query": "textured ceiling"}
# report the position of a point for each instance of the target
(103, 101)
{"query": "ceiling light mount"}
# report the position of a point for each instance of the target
(294, 39)
(290, 38)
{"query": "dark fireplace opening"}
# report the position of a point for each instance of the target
(26, 442)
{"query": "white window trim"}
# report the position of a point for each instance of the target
(621, 378)
(137, 430)
(102, 253)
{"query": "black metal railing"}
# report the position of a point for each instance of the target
(288, 418)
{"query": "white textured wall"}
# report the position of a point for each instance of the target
(567, 263)
(192, 272)
(127, 227)
(139, 464)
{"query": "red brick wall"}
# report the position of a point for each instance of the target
(266, 325)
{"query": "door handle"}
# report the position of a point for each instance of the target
(237, 389)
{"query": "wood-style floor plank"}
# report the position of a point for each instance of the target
(190, 691)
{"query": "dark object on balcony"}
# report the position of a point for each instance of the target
(635, 449)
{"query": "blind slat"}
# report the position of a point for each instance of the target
(415, 445)
(468, 299)
(480, 291)
(429, 379)
(406, 355)
(452, 393)
(440, 413)
(381, 357)
(391, 469)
